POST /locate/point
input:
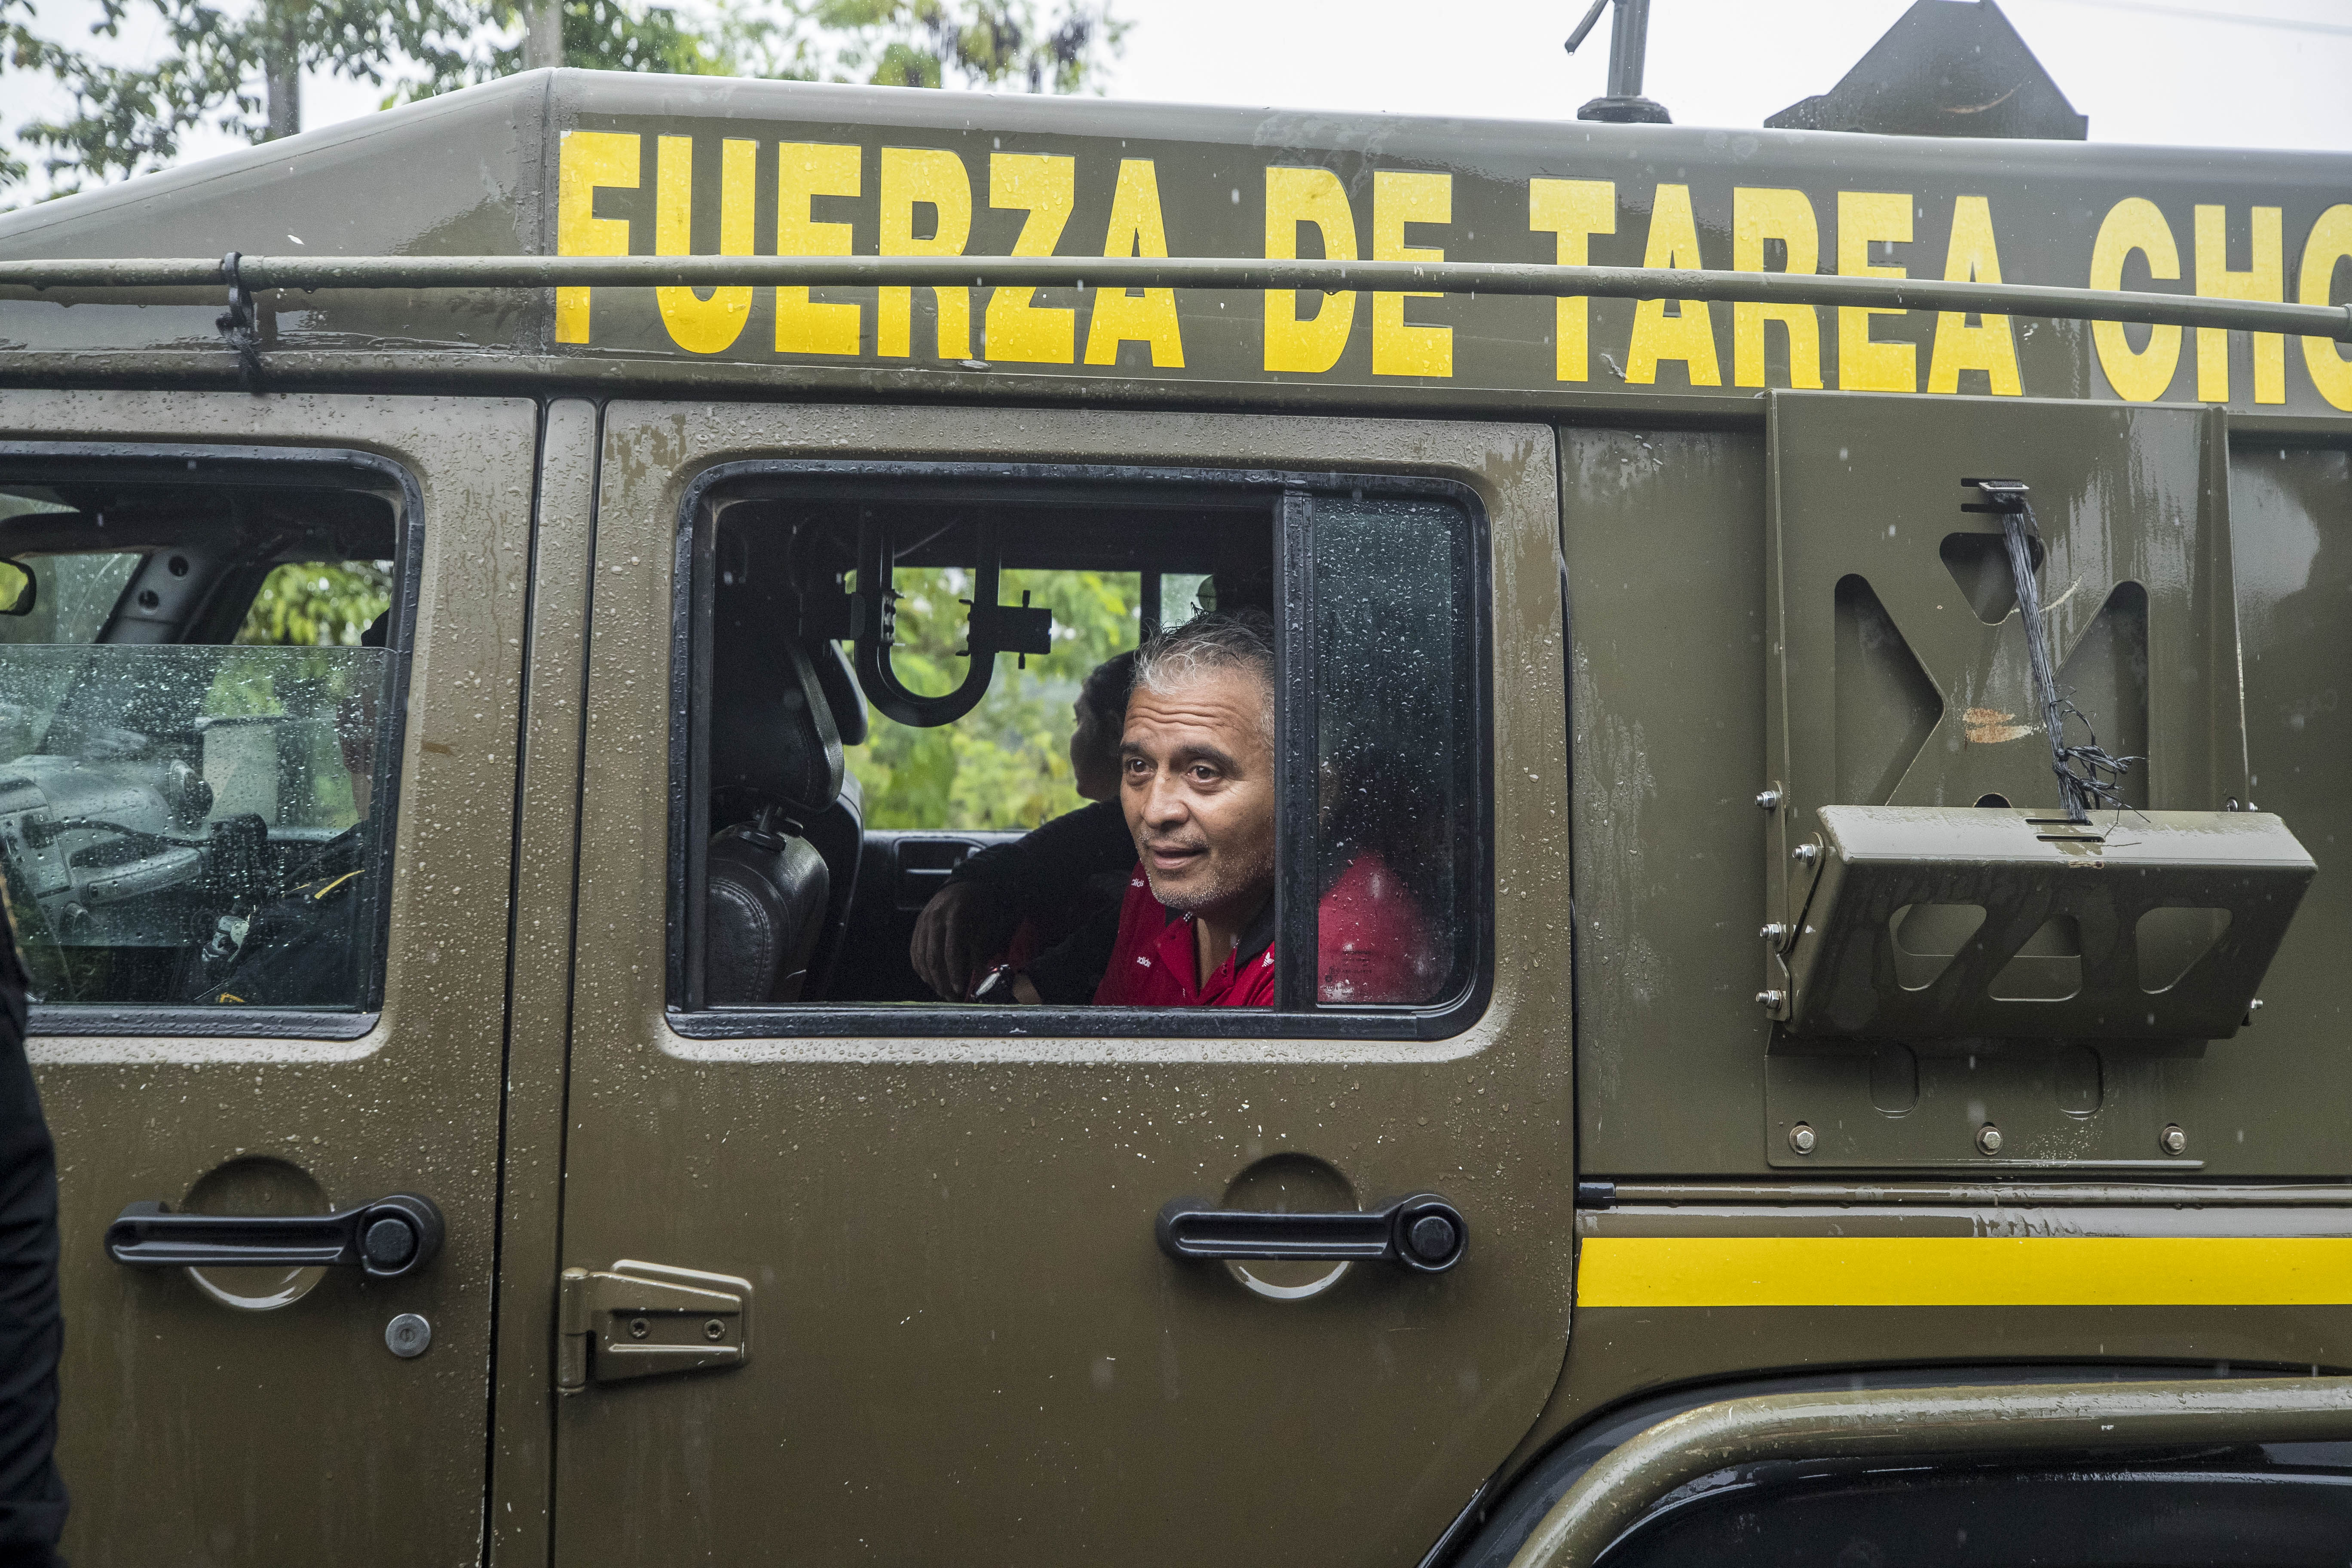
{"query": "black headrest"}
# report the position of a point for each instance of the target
(772, 730)
(840, 683)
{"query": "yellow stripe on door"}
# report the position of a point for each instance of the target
(1964, 1271)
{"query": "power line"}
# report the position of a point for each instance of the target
(2283, 24)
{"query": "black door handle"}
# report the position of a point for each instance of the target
(386, 1239)
(1422, 1232)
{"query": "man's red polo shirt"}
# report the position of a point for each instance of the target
(1375, 945)
(1155, 960)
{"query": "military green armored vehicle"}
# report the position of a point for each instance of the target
(500, 1119)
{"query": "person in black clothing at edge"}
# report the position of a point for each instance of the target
(32, 1329)
(1034, 920)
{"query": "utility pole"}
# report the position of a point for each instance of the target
(543, 46)
(1629, 47)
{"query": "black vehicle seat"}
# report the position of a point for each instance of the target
(839, 834)
(767, 890)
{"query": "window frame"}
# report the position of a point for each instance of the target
(1287, 496)
(288, 467)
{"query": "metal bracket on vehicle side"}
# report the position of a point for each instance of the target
(1924, 923)
(641, 1319)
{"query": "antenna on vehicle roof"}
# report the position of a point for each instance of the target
(1628, 34)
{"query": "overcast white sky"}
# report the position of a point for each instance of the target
(2259, 73)
(2162, 70)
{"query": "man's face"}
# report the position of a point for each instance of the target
(1196, 779)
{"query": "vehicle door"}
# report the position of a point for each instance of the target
(257, 807)
(878, 1279)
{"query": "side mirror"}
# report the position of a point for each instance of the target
(19, 589)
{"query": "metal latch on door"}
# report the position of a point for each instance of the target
(641, 1319)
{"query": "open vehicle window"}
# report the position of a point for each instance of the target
(196, 719)
(806, 881)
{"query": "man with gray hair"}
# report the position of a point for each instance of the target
(1197, 786)
(1196, 806)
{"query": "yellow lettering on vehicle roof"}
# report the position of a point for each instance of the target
(1689, 336)
(2265, 279)
(1136, 315)
(586, 162)
(804, 171)
(1400, 197)
(2139, 375)
(1019, 330)
(936, 178)
(1313, 198)
(1867, 217)
(1573, 211)
(2329, 245)
(695, 324)
(1758, 215)
(1990, 347)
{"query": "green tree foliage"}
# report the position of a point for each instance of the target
(239, 70)
(318, 604)
(886, 43)
(946, 43)
(1007, 762)
(605, 36)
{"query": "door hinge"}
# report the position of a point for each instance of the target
(640, 1319)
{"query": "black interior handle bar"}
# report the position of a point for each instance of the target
(1421, 1232)
(390, 1237)
(994, 628)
